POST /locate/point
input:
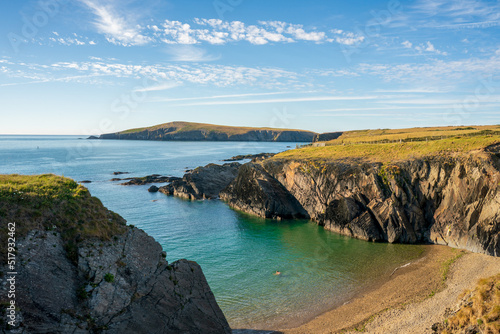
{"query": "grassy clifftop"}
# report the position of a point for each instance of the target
(391, 145)
(50, 202)
(187, 126)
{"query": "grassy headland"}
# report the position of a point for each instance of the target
(50, 202)
(393, 145)
(188, 126)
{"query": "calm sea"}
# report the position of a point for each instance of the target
(238, 253)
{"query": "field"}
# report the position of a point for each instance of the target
(392, 145)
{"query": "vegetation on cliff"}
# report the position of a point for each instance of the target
(49, 202)
(80, 269)
(391, 145)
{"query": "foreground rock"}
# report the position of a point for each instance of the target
(203, 182)
(453, 200)
(69, 283)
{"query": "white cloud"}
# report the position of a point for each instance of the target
(407, 44)
(216, 31)
(115, 27)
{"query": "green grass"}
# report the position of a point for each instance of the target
(55, 203)
(387, 152)
(412, 134)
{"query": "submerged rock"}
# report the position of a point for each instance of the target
(153, 189)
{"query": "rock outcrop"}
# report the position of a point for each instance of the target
(203, 182)
(93, 285)
(327, 136)
(452, 200)
(154, 178)
(253, 157)
(256, 192)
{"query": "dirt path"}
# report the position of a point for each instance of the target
(410, 286)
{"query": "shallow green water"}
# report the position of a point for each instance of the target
(238, 253)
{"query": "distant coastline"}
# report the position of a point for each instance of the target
(186, 131)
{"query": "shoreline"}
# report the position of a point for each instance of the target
(410, 287)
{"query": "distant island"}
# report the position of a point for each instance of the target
(186, 131)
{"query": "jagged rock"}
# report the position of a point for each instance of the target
(153, 189)
(255, 191)
(203, 182)
(121, 286)
(80, 269)
(448, 200)
(120, 173)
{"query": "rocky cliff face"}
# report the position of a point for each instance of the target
(122, 285)
(453, 200)
(203, 182)
(205, 135)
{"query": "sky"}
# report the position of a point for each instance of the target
(97, 66)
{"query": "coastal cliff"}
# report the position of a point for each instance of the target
(185, 131)
(80, 269)
(437, 185)
(452, 200)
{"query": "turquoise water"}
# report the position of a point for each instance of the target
(238, 253)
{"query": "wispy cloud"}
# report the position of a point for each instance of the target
(232, 96)
(159, 87)
(282, 100)
(189, 53)
(458, 14)
(116, 28)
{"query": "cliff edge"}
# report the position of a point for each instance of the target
(80, 269)
(450, 198)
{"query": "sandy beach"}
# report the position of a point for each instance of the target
(412, 299)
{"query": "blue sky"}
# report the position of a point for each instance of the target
(96, 66)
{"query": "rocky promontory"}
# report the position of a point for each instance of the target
(451, 199)
(80, 269)
(185, 131)
(203, 182)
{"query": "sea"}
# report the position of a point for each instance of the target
(238, 253)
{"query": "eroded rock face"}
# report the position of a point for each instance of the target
(444, 200)
(121, 286)
(257, 192)
(203, 182)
